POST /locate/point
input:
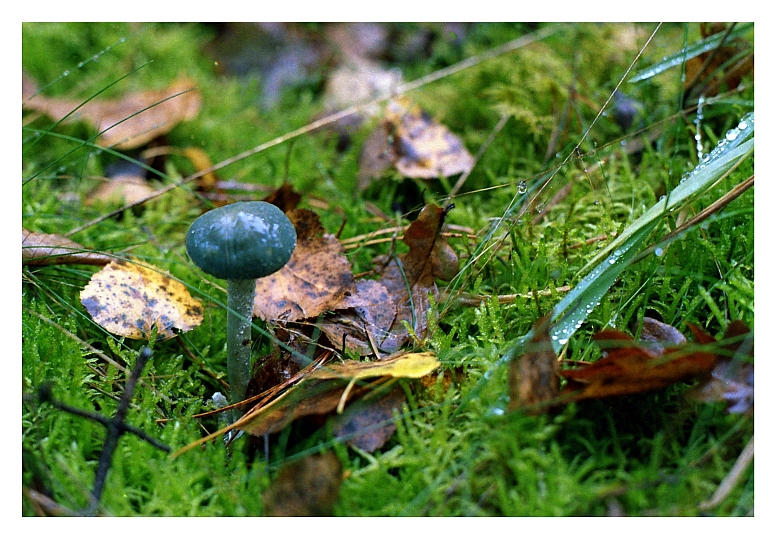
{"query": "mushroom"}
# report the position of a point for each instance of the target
(241, 242)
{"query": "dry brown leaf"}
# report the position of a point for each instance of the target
(719, 71)
(308, 487)
(366, 315)
(330, 388)
(127, 122)
(369, 424)
(123, 189)
(534, 377)
(410, 140)
(359, 81)
(733, 378)
(285, 197)
(207, 183)
(49, 249)
(129, 300)
(657, 335)
(410, 278)
(315, 279)
(628, 367)
(314, 397)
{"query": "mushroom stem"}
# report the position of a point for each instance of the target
(240, 306)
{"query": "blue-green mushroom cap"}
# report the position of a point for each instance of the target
(244, 240)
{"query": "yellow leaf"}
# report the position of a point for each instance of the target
(129, 300)
(412, 365)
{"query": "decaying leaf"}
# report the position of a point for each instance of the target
(314, 280)
(366, 315)
(369, 423)
(130, 299)
(125, 123)
(725, 66)
(628, 367)
(314, 397)
(285, 197)
(410, 278)
(207, 182)
(329, 388)
(308, 487)
(359, 81)
(534, 377)
(658, 336)
(121, 189)
(733, 378)
(410, 140)
(50, 249)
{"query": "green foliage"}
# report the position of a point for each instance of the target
(456, 451)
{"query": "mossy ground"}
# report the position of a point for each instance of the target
(455, 451)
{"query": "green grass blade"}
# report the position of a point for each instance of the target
(604, 269)
(700, 47)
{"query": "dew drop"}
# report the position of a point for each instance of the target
(612, 261)
(65, 73)
(522, 187)
(732, 135)
(658, 251)
(742, 125)
(96, 58)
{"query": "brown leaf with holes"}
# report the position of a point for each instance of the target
(308, 487)
(131, 300)
(127, 122)
(629, 367)
(49, 249)
(415, 144)
(534, 380)
(315, 280)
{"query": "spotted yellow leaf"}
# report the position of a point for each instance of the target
(130, 299)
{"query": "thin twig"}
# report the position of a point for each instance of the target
(116, 425)
(730, 481)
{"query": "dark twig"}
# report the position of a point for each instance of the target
(115, 425)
